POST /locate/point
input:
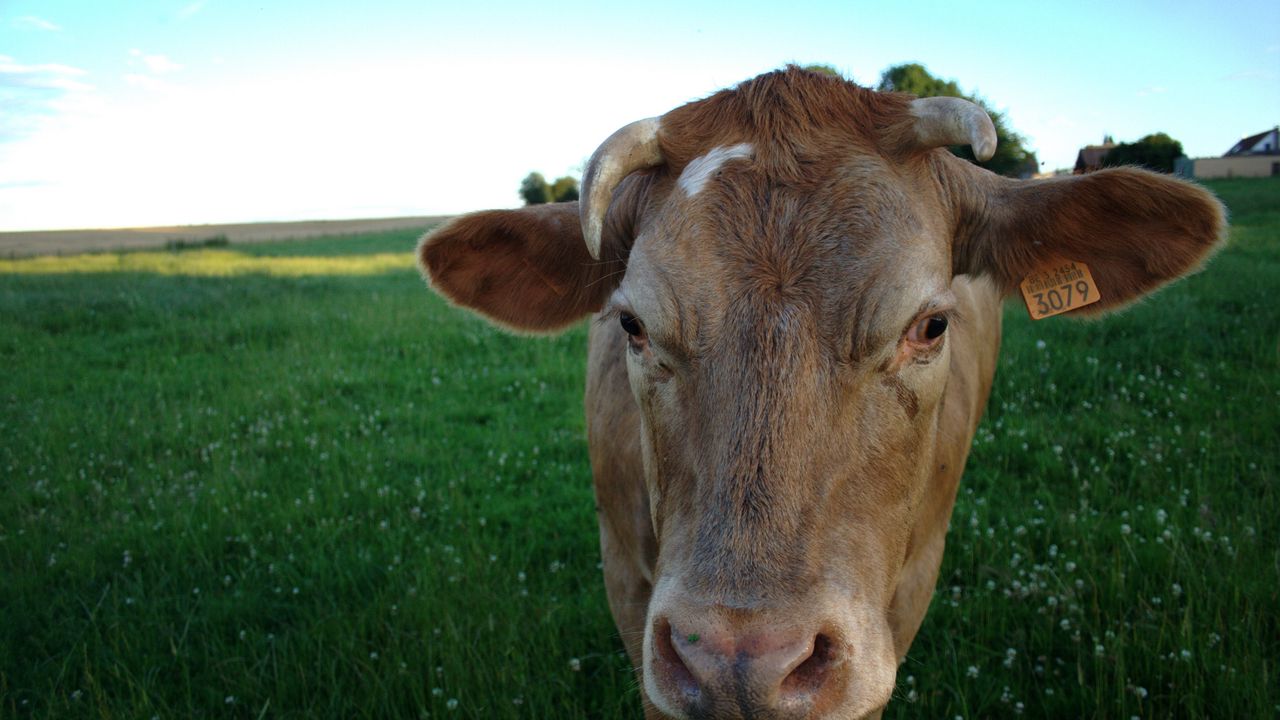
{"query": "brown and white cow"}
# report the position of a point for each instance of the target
(799, 293)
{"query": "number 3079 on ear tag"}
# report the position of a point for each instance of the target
(1058, 288)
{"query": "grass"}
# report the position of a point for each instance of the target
(328, 494)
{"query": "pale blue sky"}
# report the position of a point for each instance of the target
(199, 111)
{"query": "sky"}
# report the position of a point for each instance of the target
(139, 113)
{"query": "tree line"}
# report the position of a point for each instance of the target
(1156, 151)
(536, 190)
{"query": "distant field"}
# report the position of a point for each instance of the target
(63, 242)
(238, 492)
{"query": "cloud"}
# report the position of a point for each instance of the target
(192, 9)
(51, 76)
(157, 64)
(32, 22)
(31, 94)
(147, 82)
(1151, 90)
(1255, 74)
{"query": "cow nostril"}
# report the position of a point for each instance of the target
(808, 677)
(676, 672)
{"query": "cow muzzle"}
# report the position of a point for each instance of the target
(717, 662)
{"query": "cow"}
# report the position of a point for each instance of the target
(798, 296)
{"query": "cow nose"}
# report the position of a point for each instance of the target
(712, 669)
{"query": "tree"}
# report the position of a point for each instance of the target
(824, 69)
(1157, 152)
(1012, 158)
(534, 189)
(564, 189)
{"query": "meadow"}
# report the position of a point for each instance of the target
(285, 480)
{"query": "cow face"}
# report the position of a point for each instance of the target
(776, 267)
(789, 362)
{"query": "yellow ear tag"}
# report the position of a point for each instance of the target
(1058, 288)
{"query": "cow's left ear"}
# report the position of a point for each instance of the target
(527, 269)
(1136, 230)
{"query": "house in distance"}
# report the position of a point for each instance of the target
(1254, 156)
(1090, 156)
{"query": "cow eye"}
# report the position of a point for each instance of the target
(630, 324)
(928, 330)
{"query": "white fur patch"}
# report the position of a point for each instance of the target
(700, 170)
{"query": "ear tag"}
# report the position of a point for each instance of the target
(1057, 288)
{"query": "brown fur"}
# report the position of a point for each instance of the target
(529, 269)
(772, 460)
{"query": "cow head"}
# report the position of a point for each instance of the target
(776, 265)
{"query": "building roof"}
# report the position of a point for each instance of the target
(1246, 145)
(1090, 156)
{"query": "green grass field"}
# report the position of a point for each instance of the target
(286, 481)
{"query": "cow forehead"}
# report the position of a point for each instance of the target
(855, 225)
(702, 169)
(746, 188)
(857, 254)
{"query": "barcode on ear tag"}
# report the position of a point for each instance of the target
(1058, 288)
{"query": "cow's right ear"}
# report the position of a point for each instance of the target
(529, 269)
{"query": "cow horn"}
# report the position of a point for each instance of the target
(631, 148)
(942, 121)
